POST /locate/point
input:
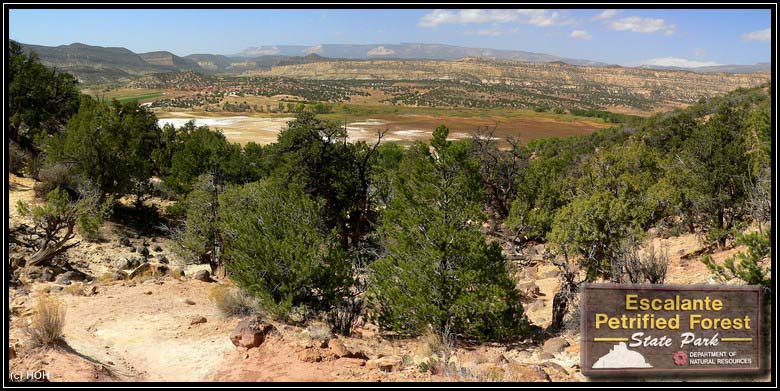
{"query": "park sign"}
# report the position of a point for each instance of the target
(632, 329)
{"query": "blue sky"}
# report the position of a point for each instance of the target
(626, 37)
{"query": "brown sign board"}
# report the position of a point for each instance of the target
(633, 329)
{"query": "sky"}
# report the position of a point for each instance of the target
(626, 37)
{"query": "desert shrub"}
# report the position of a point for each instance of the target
(175, 273)
(33, 165)
(435, 351)
(95, 213)
(75, 289)
(47, 322)
(760, 197)
(16, 158)
(55, 220)
(231, 301)
(277, 251)
(746, 265)
(655, 265)
(717, 236)
(500, 170)
(342, 316)
(198, 240)
(176, 210)
(319, 331)
(627, 265)
(109, 277)
(641, 266)
(56, 175)
(592, 226)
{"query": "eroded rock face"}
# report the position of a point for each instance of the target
(608, 86)
(250, 333)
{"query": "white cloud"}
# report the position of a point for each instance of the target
(537, 17)
(642, 25)
(677, 62)
(764, 35)
(491, 32)
(606, 14)
(439, 17)
(699, 52)
(540, 17)
(582, 34)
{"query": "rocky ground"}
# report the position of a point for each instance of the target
(159, 324)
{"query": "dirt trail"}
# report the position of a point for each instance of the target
(148, 337)
(143, 333)
(20, 189)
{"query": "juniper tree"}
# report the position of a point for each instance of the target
(438, 271)
(277, 249)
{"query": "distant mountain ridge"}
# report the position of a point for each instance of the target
(97, 64)
(761, 67)
(417, 51)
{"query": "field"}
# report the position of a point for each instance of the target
(404, 124)
(142, 95)
(402, 127)
(255, 109)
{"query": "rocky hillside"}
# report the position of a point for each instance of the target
(170, 60)
(556, 78)
(97, 64)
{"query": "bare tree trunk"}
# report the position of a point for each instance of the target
(559, 309)
(45, 254)
(561, 300)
